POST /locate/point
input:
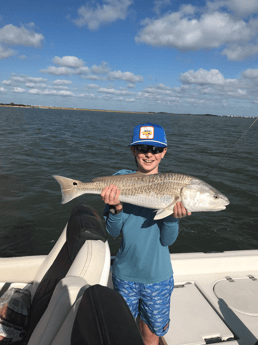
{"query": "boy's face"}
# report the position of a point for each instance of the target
(148, 163)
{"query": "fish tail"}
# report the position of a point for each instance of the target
(69, 188)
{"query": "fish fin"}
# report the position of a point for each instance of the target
(167, 211)
(68, 188)
(163, 213)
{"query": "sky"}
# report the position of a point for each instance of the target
(197, 57)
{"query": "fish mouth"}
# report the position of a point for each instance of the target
(226, 201)
(223, 203)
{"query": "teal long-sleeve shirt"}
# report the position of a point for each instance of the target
(143, 256)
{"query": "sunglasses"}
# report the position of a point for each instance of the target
(147, 148)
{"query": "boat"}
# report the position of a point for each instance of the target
(215, 300)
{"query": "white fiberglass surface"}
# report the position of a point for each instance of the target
(192, 319)
(239, 294)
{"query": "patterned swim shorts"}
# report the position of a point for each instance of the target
(150, 301)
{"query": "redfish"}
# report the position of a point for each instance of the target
(159, 191)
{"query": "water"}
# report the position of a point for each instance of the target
(37, 143)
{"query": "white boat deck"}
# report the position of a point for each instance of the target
(215, 300)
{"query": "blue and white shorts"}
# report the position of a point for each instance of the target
(150, 301)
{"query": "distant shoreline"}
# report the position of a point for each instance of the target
(13, 105)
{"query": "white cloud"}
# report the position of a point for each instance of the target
(103, 68)
(26, 79)
(63, 93)
(62, 82)
(237, 52)
(69, 65)
(2, 89)
(51, 92)
(206, 88)
(18, 90)
(241, 8)
(65, 70)
(202, 77)
(35, 79)
(92, 86)
(68, 61)
(62, 87)
(154, 94)
(194, 28)
(82, 70)
(251, 74)
(35, 91)
(30, 84)
(7, 82)
(115, 92)
(6, 52)
(211, 30)
(127, 76)
(238, 93)
(33, 85)
(108, 12)
(19, 79)
(13, 35)
(158, 4)
(93, 77)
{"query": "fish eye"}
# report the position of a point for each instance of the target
(215, 197)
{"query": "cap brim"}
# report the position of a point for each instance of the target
(148, 142)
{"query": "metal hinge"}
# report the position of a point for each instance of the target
(218, 340)
(231, 280)
(251, 277)
(181, 285)
(214, 340)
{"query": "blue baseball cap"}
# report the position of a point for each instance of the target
(149, 134)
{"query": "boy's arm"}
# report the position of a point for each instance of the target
(113, 211)
(169, 230)
(114, 223)
(170, 225)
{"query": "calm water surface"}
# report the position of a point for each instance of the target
(36, 144)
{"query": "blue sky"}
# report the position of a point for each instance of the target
(146, 55)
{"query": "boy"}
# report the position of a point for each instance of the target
(142, 271)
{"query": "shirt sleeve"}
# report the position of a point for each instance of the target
(114, 222)
(169, 230)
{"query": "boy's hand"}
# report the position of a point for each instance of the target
(180, 211)
(110, 195)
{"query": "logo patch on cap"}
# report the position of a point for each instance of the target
(147, 132)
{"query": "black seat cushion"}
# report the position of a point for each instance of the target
(84, 224)
(103, 318)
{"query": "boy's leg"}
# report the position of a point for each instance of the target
(155, 306)
(129, 292)
(148, 337)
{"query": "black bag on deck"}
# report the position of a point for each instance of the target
(103, 318)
